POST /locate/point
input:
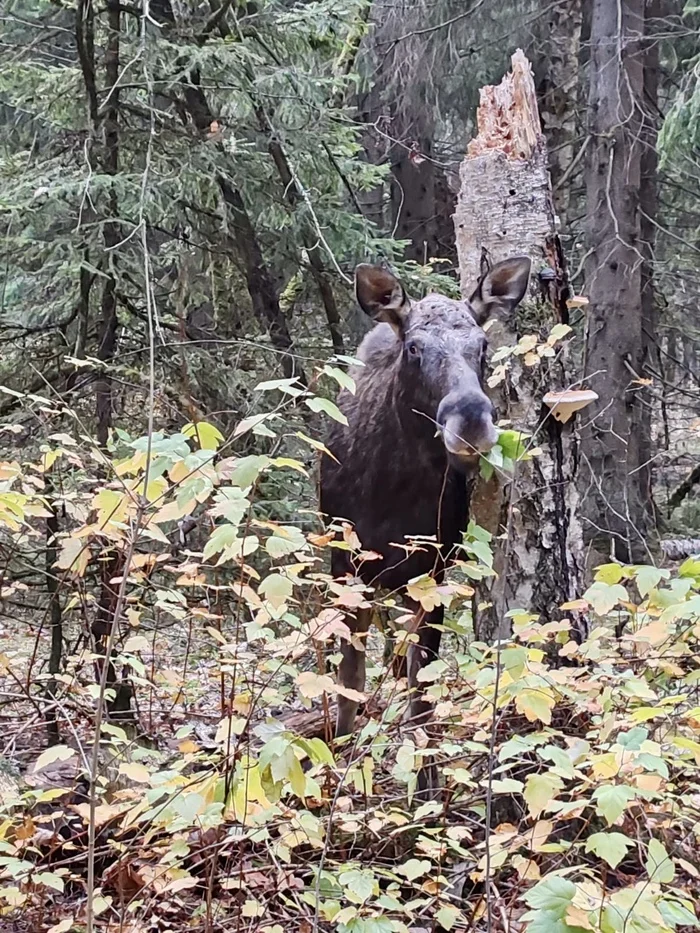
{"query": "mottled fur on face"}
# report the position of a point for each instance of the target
(439, 351)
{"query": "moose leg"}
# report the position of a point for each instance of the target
(351, 673)
(420, 710)
(418, 657)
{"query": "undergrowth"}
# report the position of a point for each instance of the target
(217, 799)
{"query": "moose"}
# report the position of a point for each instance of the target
(404, 464)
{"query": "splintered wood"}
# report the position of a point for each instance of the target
(505, 208)
(505, 199)
(507, 117)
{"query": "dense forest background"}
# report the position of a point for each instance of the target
(185, 191)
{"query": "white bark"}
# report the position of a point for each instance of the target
(505, 207)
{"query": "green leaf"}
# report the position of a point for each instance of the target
(359, 884)
(289, 386)
(690, 567)
(678, 914)
(222, 537)
(540, 790)
(611, 800)
(341, 377)
(285, 540)
(648, 578)
(246, 470)
(276, 589)
(486, 471)
(317, 750)
(208, 436)
(330, 408)
(50, 880)
(659, 864)
(611, 847)
(296, 777)
(513, 444)
(604, 596)
(432, 671)
(414, 868)
(553, 894)
(447, 916)
(609, 573)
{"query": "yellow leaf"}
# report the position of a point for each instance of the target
(539, 834)
(132, 464)
(135, 772)
(654, 632)
(688, 744)
(157, 487)
(53, 754)
(252, 908)
(9, 470)
(577, 605)
(536, 703)
(208, 436)
(578, 917)
(349, 693)
(540, 790)
(605, 766)
(527, 869)
(228, 727)
(112, 506)
(100, 904)
(178, 472)
(103, 812)
(136, 643)
(313, 685)
(173, 511)
(49, 458)
(73, 556)
(63, 926)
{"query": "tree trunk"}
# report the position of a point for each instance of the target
(259, 280)
(413, 198)
(55, 613)
(615, 479)
(110, 164)
(505, 208)
(558, 95)
(649, 205)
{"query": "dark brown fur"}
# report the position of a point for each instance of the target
(394, 478)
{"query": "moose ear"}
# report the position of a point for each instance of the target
(381, 295)
(501, 289)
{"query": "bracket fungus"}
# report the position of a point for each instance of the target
(564, 404)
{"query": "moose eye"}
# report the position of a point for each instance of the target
(413, 349)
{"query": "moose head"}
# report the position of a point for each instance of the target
(440, 350)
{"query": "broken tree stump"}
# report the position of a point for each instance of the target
(505, 208)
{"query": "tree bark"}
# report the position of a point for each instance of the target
(615, 478)
(54, 612)
(505, 208)
(110, 165)
(259, 280)
(558, 95)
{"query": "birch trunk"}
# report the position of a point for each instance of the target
(505, 208)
